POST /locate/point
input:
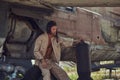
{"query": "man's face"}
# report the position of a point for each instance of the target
(54, 30)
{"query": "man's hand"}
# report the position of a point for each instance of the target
(75, 42)
(44, 63)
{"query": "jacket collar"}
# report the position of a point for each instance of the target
(46, 34)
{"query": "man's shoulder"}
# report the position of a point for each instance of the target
(42, 35)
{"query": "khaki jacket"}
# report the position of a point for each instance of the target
(41, 47)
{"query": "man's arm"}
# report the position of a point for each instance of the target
(37, 53)
(66, 42)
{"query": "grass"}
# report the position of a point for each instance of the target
(99, 75)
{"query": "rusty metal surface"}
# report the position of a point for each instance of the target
(89, 27)
(80, 24)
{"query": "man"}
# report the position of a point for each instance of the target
(47, 52)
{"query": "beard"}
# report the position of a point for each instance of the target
(54, 34)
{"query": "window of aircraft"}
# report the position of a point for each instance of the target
(67, 9)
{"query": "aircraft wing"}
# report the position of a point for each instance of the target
(92, 3)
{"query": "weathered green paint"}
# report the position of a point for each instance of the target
(109, 31)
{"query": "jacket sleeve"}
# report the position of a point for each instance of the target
(66, 42)
(37, 53)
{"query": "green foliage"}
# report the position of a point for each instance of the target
(99, 75)
(73, 76)
(71, 71)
